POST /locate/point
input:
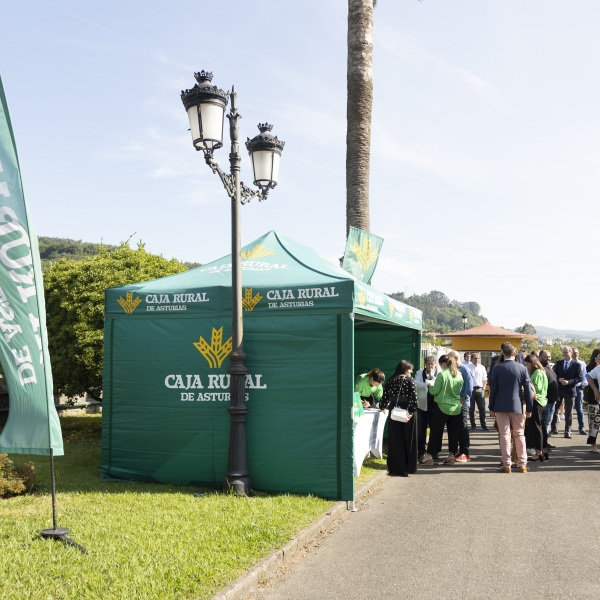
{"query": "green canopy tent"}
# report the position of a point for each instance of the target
(309, 329)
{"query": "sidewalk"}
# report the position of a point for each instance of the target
(466, 531)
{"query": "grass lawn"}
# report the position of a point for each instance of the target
(144, 540)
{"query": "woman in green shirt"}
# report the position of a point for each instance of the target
(368, 385)
(536, 433)
(446, 409)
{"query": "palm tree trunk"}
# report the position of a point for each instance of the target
(360, 103)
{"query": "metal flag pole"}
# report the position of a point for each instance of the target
(57, 533)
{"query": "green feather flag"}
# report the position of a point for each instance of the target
(33, 426)
(362, 253)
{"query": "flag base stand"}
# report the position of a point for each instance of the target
(58, 533)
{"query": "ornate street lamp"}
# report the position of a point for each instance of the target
(464, 320)
(205, 105)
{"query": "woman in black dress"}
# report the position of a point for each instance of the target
(593, 407)
(400, 390)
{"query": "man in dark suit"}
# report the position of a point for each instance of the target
(508, 381)
(553, 399)
(570, 375)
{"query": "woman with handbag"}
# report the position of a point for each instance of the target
(447, 409)
(593, 397)
(400, 397)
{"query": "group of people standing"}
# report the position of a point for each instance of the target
(526, 395)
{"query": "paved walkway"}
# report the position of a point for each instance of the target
(465, 532)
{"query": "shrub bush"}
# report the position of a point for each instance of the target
(75, 308)
(15, 479)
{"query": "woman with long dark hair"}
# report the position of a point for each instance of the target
(592, 400)
(537, 433)
(400, 390)
(447, 409)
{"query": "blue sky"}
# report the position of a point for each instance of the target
(485, 155)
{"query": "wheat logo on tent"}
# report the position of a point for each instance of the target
(362, 297)
(257, 252)
(365, 254)
(249, 301)
(217, 351)
(391, 307)
(130, 303)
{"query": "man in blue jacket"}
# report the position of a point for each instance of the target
(509, 382)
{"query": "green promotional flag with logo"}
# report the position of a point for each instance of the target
(33, 426)
(362, 253)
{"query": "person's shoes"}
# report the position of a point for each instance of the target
(550, 447)
(553, 432)
(485, 428)
(530, 452)
(419, 458)
(436, 457)
(473, 427)
(568, 435)
(582, 432)
(595, 450)
(426, 460)
(463, 458)
(505, 470)
(546, 456)
(523, 469)
(450, 460)
(536, 458)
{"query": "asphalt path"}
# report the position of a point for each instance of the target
(466, 531)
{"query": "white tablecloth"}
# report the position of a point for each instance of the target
(368, 437)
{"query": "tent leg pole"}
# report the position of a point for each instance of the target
(57, 533)
(237, 478)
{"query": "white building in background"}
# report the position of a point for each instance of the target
(430, 349)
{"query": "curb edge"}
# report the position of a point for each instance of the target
(267, 566)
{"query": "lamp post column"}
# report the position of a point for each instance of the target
(205, 105)
(237, 477)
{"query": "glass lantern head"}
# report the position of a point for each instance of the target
(265, 153)
(205, 105)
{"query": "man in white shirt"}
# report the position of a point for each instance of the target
(479, 374)
(467, 360)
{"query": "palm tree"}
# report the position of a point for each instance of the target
(359, 107)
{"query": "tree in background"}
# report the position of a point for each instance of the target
(74, 293)
(528, 345)
(527, 329)
(585, 349)
(358, 112)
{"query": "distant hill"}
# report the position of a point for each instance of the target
(440, 314)
(566, 333)
(53, 249)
